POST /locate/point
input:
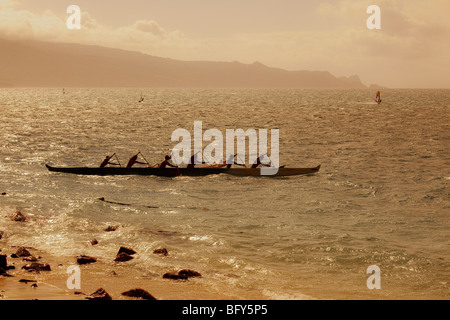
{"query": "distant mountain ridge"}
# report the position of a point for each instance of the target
(46, 64)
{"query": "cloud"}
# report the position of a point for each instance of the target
(143, 35)
(149, 26)
(414, 39)
(413, 34)
(399, 17)
(16, 24)
(7, 4)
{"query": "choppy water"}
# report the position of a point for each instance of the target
(381, 197)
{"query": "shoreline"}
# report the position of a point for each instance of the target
(116, 277)
(52, 285)
(20, 282)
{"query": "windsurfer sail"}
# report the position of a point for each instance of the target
(378, 98)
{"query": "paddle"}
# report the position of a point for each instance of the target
(176, 166)
(148, 164)
(179, 171)
(108, 158)
(117, 158)
(267, 165)
(242, 165)
(239, 164)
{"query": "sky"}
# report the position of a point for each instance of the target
(409, 51)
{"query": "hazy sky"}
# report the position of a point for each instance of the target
(410, 50)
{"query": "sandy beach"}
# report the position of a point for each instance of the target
(21, 284)
(34, 274)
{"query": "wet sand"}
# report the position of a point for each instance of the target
(114, 279)
(19, 283)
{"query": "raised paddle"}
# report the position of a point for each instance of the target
(148, 164)
(237, 154)
(117, 158)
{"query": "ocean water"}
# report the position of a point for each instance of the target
(381, 197)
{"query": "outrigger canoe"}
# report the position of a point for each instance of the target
(173, 172)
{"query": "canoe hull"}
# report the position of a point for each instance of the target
(282, 172)
(173, 172)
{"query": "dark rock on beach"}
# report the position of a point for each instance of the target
(23, 252)
(94, 242)
(162, 251)
(174, 276)
(182, 274)
(26, 281)
(34, 266)
(124, 254)
(18, 216)
(189, 273)
(138, 293)
(3, 264)
(121, 257)
(111, 228)
(85, 259)
(3, 261)
(30, 259)
(128, 251)
(100, 294)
